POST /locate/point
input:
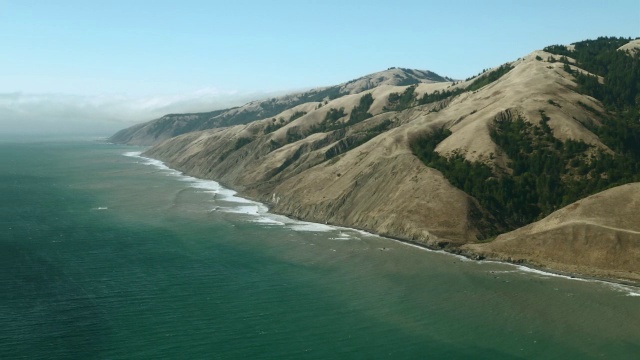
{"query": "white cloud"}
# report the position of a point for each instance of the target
(104, 114)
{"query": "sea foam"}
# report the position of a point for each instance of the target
(133, 153)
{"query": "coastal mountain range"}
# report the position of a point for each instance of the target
(536, 161)
(171, 125)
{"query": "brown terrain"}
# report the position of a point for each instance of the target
(597, 236)
(363, 177)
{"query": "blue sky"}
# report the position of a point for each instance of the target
(153, 50)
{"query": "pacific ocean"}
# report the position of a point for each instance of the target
(108, 255)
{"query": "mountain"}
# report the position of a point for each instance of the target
(172, 125)
(448, 164)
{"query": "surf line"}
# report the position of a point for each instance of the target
(265, 217)
(244, 206)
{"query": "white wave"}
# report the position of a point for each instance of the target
(308, 226)
(545, 273)
(365, 233)
(502, 271)
(629, 290)
(157, 163)
(248, 207)
(208, 185)
(268, 221)
(148, 161)
(423, 248)
(342, 236)
(230, 196)
(247, 210)
(633, 293)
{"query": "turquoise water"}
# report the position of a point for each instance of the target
(109, 256)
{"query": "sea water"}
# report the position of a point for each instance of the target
(105, 254)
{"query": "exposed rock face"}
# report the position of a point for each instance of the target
(598, 235)
(361, 173)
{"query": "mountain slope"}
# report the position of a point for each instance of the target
(168, 126)
(599, 236)
(164, 128)
(322, 143)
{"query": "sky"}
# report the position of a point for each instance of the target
(103, 65)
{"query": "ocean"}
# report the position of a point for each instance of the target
(105, 254)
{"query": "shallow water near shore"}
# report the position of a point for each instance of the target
(107, 255)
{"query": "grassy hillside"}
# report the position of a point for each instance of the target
(172, 125)
(545, 173)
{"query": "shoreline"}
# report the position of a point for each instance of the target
(632, 288)
(472, 256)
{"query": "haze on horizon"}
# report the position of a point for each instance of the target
(85, 67)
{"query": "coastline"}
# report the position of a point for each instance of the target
(632, 288)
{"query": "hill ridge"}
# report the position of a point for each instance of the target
(171, 125)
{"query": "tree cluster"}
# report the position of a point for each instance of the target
(408, 98)
(544, 174)
(358, 114)
(277, 124)
(619, 92)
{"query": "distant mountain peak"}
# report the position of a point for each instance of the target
(392, 76)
